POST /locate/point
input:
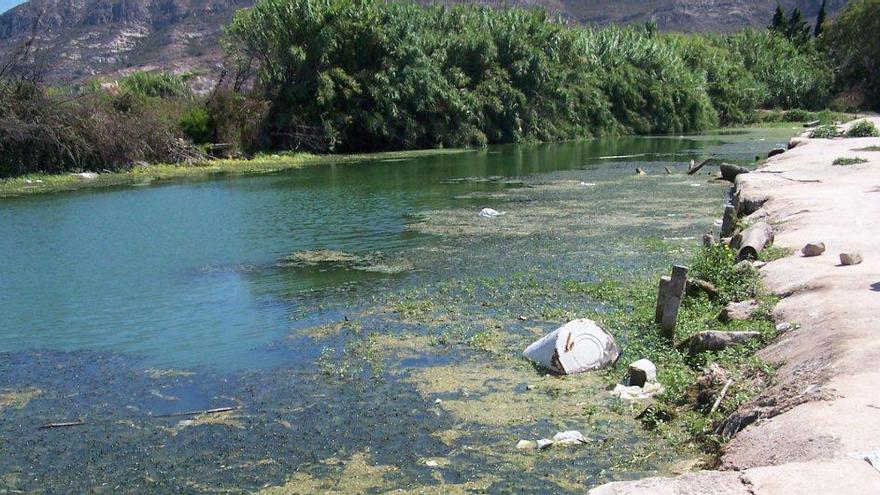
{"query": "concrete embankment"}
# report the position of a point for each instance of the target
(810, 431)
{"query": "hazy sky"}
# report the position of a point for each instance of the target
(8, 4)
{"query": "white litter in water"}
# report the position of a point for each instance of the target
(696, 185)
(490, 213)
(569, 438)
(588, 184)
(620, 156)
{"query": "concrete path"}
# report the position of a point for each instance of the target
(826, 405)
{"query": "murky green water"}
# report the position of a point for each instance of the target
(332, 307)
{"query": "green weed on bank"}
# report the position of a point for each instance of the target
(675, 413)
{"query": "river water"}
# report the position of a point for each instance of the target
(354, 315)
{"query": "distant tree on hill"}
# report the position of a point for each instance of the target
(820, 20)
(794, 27)
(779, 23)
(798, 30)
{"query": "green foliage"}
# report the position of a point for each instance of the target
(863, 128)
(825, 132)
(347, 75)
(794, 28)
(53, 132)
(844, 161)
(820, 20)
(154, 85)
(196, 125)
(787, 76)
(853, 46)
(717, 264)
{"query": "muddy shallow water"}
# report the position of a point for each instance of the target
(362, 324)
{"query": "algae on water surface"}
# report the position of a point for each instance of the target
(381, 375)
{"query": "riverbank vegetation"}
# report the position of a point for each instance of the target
(346, 76)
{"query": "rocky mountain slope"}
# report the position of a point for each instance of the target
(80, 39)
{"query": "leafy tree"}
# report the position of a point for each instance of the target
(854, 48)
(820, 20)
(780, 23)
(798, 30)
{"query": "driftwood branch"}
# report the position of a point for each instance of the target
(694, 169)
(197, 413)
(49, 426)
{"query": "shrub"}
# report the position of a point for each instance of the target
(863, 128)
(844, 161)
(54, 132)
(155, 85)
(825, 132)
(196, 125)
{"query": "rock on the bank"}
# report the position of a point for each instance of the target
(738, 311)
(704, 482)
(695, 287)
(813, 249)
(729, 171)
(714, 340)
(577, 346)
(641, 372)
(847, 259)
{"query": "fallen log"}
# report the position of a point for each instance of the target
(694, 169)
(752, 241)
(812, 123)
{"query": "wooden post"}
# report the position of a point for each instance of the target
(728, 221)
(674, 297)
(662, 293)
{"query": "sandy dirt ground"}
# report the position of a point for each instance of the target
(825, 406)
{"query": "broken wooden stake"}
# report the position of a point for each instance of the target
(669, 297)
(729, 221)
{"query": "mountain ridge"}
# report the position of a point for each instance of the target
(83, 39)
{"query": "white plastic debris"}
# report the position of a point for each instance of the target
(575, 347)
(637, 393)
(569, 438)
(431, 464)
(490, 213)
(544, 443)
(526, 445)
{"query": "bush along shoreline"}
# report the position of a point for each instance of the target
(346, 76)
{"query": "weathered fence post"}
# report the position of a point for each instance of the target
(662, 293)
(669, 297)
(729, 220)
